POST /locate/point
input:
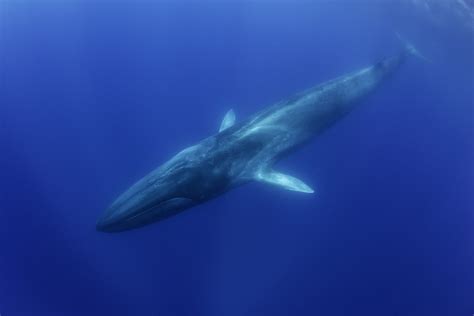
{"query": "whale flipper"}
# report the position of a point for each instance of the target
(228, 121)
(284, 181)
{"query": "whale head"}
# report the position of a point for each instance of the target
(177, 185)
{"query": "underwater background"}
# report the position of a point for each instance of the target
(95, 94)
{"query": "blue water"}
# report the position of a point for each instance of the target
(94, 94)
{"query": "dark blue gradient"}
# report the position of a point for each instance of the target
(94, 94)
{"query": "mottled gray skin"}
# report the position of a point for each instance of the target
(243, 152)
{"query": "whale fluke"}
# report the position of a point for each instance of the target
(411, 49)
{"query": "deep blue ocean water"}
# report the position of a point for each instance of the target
(95, 94)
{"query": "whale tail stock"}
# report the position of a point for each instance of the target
(410, 49)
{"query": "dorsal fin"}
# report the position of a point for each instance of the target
(228, 121)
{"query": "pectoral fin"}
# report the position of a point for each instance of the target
(228, 121)
(284, 181)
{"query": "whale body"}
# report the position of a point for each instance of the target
(245, 151)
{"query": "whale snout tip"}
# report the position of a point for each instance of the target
(106, 224)
(103, 226)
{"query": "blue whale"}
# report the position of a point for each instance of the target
(245, 151)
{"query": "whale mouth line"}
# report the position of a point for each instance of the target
(133, 216)
(147, 209)
(111, 221)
